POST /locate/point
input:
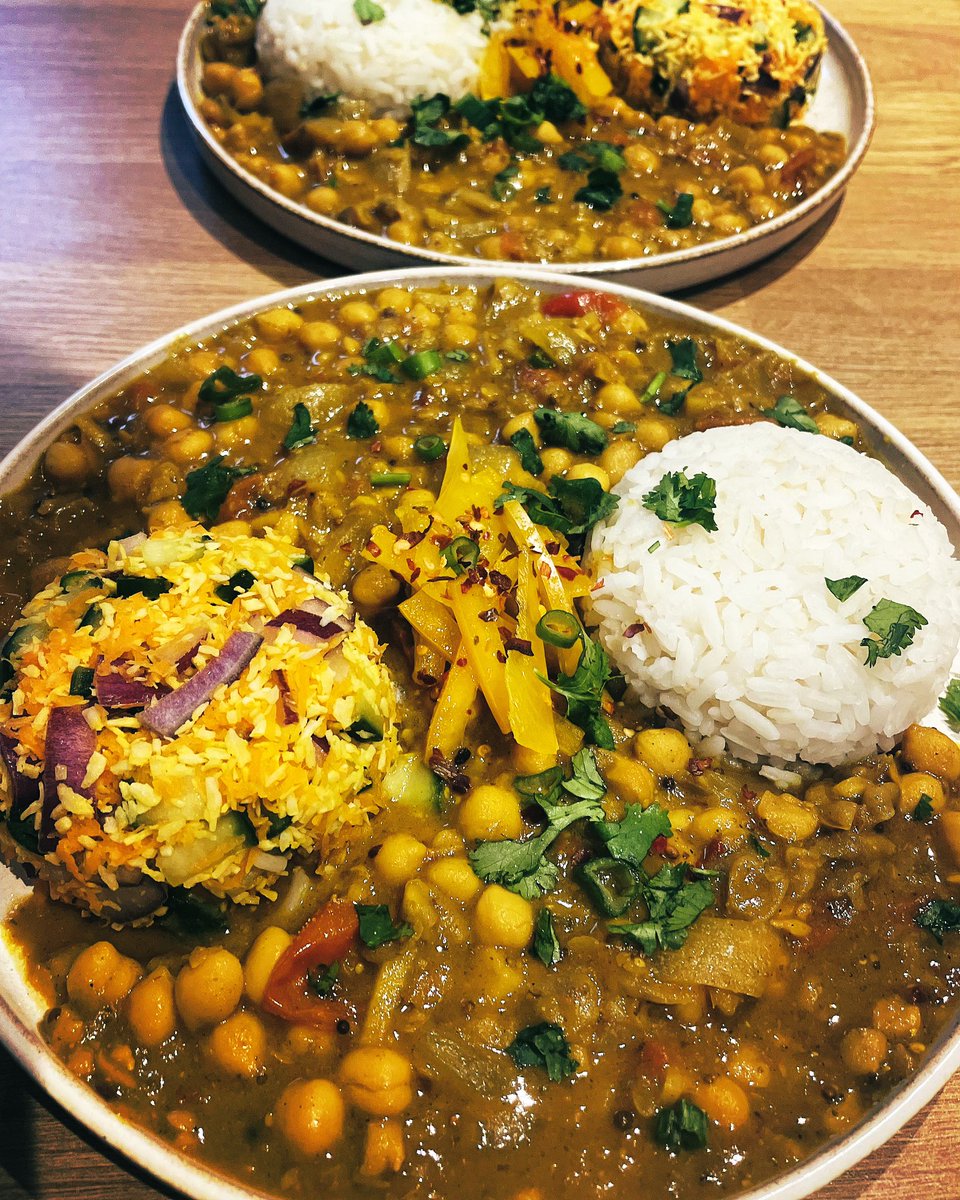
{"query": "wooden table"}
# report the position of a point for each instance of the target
(111, 233)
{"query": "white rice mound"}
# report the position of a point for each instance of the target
(741, 639)
(420, 47)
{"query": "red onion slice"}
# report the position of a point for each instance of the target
(69, 746)
(23, 790)
(176, 708)
(116, 691)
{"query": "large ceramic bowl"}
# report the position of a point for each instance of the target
(844, 103)
(21, 1008)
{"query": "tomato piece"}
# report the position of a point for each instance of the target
(242, 498)
(330, 933)
(575, 304)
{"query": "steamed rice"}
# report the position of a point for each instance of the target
(738, 635)
(419, 48)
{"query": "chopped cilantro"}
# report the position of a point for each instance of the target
(569, 506)
(623, 427)
(950, 702)
(226, 384)
(543, 195)
(924, 810)
(939, 917)
(377, 927)
(788, 411)
(319, 104)
(368, 12)
(321, 982)
(682, 1126)
(512, 119)
(544, 1046)
(207, 487)
(586, 782)
(630, 839)
(522, 441)
(573, 431)
(426, 115)
(457, 355)
(602, 190)
(239, 582)
(759, 847)
(844, 588)
(683, 359)
(362, 423)
(503, 187)
(673, 904)
(572, 161)
(681, 501)
(680, 214)
(541, 360)
(545, 945)
(301, 431)
(894, 625)
(583, 692)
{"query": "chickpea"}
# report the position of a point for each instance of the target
(100, 978)
(619, 457)
(358, 314)
(750, 1067)
(863, 1050)
(189, 446)
(633, 780)
(261, 360)
(399, 858)
(721, 824)
(456, 336)
(167, 515)
(209, 987)
(548, 132)
(896, 1019)
(523, 421)
(150, 1009)
(318, 335)
(276, 324)
(491, 814)
(772, 154)
(162, 420)
(454, 876)
(729, 223)
(383, 1150)
(128, 476)
(618, 398)
(323, 200)
(310, 1115)
(387, 129)
(231, 434)
(725, 1103)
(239, 1045)
(918, 784)
(929, 750)
(665, 751)
(218, 77)
(246, 88)
(375, 588)
(786, 817)
(557, 460)
(503, 918)
(641, 158)
(286, 178)
(377, 1080)
(261, 958)
(68, 464)
(762, 208)
(836, 427)
(745, 180)
(621, 246)
(393, 298)
(950, 826)
(702, 211)
(589, 471)
(404, 231)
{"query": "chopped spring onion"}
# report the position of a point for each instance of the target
(462, 554)
(233, 410)
(429, 447)
(558, 628)
(422, 364)
(653, 387)
(389, 478)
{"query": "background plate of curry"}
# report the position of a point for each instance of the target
(387, 914)
(667, 144)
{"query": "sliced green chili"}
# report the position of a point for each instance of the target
(462, 554)
(429, 447)
(81, 682)
(558, 628)
(233, 410)
(610, 884)
(422, 364)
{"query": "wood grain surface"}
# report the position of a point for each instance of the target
(111, 233)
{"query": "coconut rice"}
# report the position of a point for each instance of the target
(418, 48)
(282, 759)
(735, 632)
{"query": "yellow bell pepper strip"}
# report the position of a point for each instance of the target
(573, 58)
(434, 623)
(495, 69)
(456, 496)
(482, 643)
(428, 663)
(524, 66)
(455, 709)
(529, 699)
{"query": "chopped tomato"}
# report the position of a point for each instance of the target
(242, 498)
(329, 934)
(575, 304)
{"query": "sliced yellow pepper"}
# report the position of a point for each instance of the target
(455, 709)
(483, 646)
(434, 622)
(531, 709)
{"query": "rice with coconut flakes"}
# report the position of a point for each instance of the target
(418, 48)
(278, 756)
(735, 631)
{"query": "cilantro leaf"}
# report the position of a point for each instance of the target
(572, 161)
(939, 917)
(522, 441)
(377, 927)
(573, 431)
(583, 692)
(545, 945)
(544, 1046)
(788, 411)
(569, 506)
(681, 501)
(630, 840)
(673, 904)
(207, 487)
(362, 423)
(368, 12)
(556, 100)
(586, 780)
(683, 356)
(950, 702)
(602, 190)
(301, 431)
(427, 112)
(894, 625)
(682, 1126)
(321, 981)
(319, 104)
(502, 187)
(550, 99)
(225, 384)
(680, 214)
(844, 588)
(924, 810)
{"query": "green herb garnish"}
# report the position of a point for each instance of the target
(630, 839)
(545, 945)
(226, 384)
(573, 431)
(583, 692)
(894, 625)
(788, 411)
(602, 190)
(923, 813)
(301, 431)
(421, 364)
(939, 917)
(624, 427)
(681, 501)
(950, 702)
(377, 927)
(522, 441)
(362, 423)
(544, 1046)
(682, 1126)
(233, 410)
(368, 12)
(680, 214)
(390, 478)
(502, 186)
(673, 904)
(569, 506)
(844, 588)
(319, 104)
(322, 982)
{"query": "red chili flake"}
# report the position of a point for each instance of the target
(566, 572)
(659, 845)
(597, 586)
(655, 1058)
(544, 570)
(633, 630)
(552, 547)
(712, 850)
(521, 645)
(916, 513)
(345, 545)
(461, 662)
(376, 446)
(500, 582)
(747, 794)
(415, 538)
(489, 614)
(697, 766)
(414, 574)
(442, 540)
(373, 549)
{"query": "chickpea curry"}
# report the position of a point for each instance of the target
(568, 956)
(546, 164)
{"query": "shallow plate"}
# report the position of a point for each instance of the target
(844, 103)
(21, 1008)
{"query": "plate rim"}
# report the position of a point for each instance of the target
(781, 226)
(205, 1183)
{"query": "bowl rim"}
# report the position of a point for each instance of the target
(204, 1183)
(819, 201)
